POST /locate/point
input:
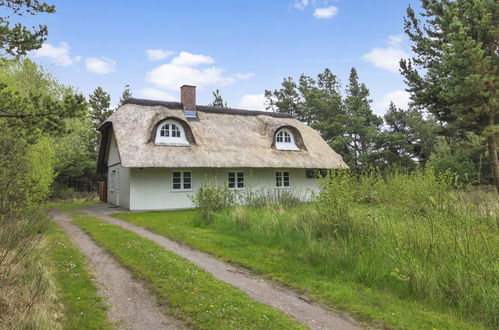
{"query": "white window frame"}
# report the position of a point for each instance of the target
(279, 180)
(236, 177)
(285, 134)
(182, 181)
(170, 140)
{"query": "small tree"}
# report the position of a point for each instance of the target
(125, 95)
(100, 102)
(218, 101)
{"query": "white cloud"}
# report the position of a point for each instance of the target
(156, 94)
(158, 54)
(388, 58)
(188, 59)
(100, 65)
(252, 102)
(400, 98)
(187, 68)
(300, 4)
(60, 55)
(326, 12)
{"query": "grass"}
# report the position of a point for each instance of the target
(279, 263)
(189, 292)
(80, 305)
(406, 251)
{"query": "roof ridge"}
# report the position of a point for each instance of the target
(207, 108)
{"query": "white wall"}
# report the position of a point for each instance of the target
(121, 195)
(150, 188)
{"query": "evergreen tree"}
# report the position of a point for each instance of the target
(455, 71)
(408, 138)
(362, 126)
(100, 102)
(218, 101)
(126, 94)
(17, 40)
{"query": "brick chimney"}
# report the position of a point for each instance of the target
(188, 97)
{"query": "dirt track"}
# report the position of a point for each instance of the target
(130, 304)
(286, 300)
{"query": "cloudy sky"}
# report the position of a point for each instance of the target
(241, 47)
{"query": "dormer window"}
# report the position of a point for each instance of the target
(171, 132)
(284, 140)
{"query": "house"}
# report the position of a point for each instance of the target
(156, 154)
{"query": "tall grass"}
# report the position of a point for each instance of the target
(416, 235)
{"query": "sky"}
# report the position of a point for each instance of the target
(240, 47)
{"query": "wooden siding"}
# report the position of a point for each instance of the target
(150, 188)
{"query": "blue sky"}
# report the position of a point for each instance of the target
(240, 47)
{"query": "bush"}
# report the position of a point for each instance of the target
(211, 198)
(263, 197)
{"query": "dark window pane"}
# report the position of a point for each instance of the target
(187, 186)
(240, 174)
(176, 174)
(176, 186)
(232, 174)
(232, 184)
(187, 174)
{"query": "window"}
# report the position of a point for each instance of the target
(235, 180)
(284, 140)
(282, 179)
(181, 181)
(171, 132)
(315, 174)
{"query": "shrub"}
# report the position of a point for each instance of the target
(211, 198)
(335, 202)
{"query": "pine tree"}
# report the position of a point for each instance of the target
(362, 126)
(218, 101)
(100, 102)
(17, 40)
(125, 95)
(455, 71)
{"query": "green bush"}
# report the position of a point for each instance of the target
(211, 198)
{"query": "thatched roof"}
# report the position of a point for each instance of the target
(219, 138)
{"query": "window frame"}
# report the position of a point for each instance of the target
(285, 145)
(236, 177)
(182, 182)
(174, 128)
(280, 178)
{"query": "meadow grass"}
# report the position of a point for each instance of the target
(189, 292)
(407, 251)
(80, 306)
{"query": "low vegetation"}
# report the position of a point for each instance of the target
(189, 292)
(409, 250)
(78, 304)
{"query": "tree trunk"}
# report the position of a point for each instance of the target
(494, 162)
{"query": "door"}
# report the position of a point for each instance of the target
(117, 186)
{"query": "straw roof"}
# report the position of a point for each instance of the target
(219, 138)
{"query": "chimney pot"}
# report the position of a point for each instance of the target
(188, 97)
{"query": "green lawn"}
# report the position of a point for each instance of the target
(76, 294)
(279, 262)
(189, 292)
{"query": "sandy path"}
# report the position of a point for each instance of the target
(286, 300)
(130, 304)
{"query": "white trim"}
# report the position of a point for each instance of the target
(169, 140)
(282, 180)
(286, 145)
(236, 187)
(182, 183)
